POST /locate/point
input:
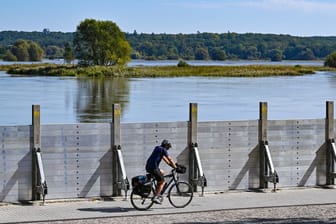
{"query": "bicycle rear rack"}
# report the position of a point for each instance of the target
(269, 172)
(41, 187)
(201, 179)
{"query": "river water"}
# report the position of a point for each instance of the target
(72, 100)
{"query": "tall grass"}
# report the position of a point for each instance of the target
(163, 71)
(223, 71)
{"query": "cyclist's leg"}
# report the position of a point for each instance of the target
(160, 181)
(159, 186)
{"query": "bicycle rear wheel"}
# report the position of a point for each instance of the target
(180, 194)
(142, 203)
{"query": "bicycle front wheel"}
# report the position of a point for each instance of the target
(142, 203)
(180, 194)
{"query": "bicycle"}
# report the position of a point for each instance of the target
(180, 193)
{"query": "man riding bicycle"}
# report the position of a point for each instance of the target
(152, 166)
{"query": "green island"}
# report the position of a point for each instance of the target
(161, 71)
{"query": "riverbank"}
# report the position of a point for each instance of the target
(162, 71)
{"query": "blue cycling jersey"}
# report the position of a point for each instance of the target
(156, 157)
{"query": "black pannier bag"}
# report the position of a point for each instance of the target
(141, 185)
(141, 179)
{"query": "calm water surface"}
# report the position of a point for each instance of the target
(71, 100)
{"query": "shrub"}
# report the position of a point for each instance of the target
(331, 60)
(9, 56)
(182, 63)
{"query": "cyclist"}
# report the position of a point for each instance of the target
(152, 166)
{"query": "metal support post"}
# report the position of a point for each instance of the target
(196, 174)
(119, 177)
(330, 142)
(42, 187)
(267, 172)
(39, 183)
(202, 181)
(192, 139)
(115, 145)
(270, 174)
(122, 177)
(262, 138)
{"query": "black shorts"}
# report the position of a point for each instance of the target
(157, 174)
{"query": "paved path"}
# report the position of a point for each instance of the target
(53, 211)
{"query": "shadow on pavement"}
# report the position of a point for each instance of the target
(106, 209)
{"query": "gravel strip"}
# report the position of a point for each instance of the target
(292, 214)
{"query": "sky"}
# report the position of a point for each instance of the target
(293, 17)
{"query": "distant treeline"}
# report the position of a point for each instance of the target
(52, 43)
(199, 46)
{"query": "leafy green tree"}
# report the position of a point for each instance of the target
(217, 54)
(24, 50)
(307, 54)
(35, 51)
(2, 50)
(202, 54)
(68, 55)
(172, 53)
(53, 51)
(275, 55)
(251, 52)
(147, 49)
(20, 50)
(331, 60)
(9, 56)
(101, 43)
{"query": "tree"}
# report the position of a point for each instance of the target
(53, 51)
(20, 50)
(9, 56)
(306, 54)
(35, 51)
(24, 50)
(275, 55)
(217, 54)
(251, 52)
(68, 55)
(3, 50)
(101, 43)
(331, 60)
(201, 54)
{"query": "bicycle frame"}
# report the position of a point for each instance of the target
(174, 178)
